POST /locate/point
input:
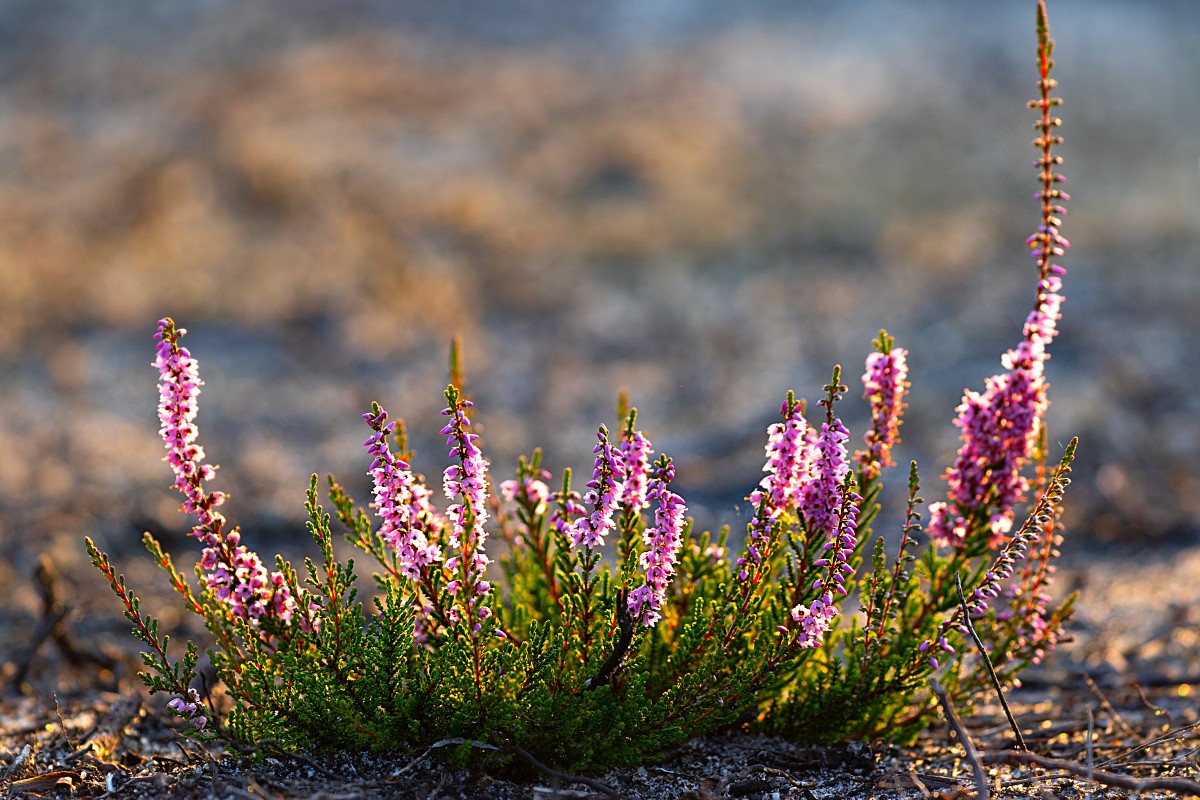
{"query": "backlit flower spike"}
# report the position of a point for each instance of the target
(789, 450)
(178, 392)
(788, 454)
(821, 494)
(401, 501)
(661, 542)
(235, 575)
(1000, 427)
(885, 383)
(635, 455)
(466, 483)
(815, 620)
(602, 497)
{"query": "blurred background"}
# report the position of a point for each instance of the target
(704, 203)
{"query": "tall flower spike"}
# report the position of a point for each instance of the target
(814, 621)
(178, 392)
(821, 495)
(236, 576)
(788, 454)
(466, 482)
(819, 499)
(398, 501)
(603, 494)
(635, 453)
(1000, 427)
(662, 542)
(884, 384)
(788, 451)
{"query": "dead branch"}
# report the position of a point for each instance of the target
(1180, 785)
(981, 786)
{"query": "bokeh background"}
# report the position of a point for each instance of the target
(705, 203)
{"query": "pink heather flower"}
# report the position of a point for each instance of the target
(466, 482)
(815, 621)
(713, 553)
(1033, 630)
(604, 492)
(635, 453)
(662, 542)
(178, 389)
(236, 576)
(190, 707)
(1014, 550)
(401, 502)
(568, 506)
(529, 492)
(821, 494)
(884, 384)
(999, 430)
(788, 452)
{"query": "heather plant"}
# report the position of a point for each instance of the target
(590, 625)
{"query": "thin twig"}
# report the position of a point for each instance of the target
(987, 662)
(1157, 740)
(981, 786)
(1180, 785)
(1107, 706)
(1091, 762)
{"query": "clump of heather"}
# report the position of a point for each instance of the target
(593, 626)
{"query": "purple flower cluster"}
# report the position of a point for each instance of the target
(662, 542)
(788, 451)
(821, 493)
(603, 495)
(568, 506)
(467, 482)
(788, 454)
(1033, 630)
(236, 576)
(401, 502)
(190, 707)
(178, 390)
(999, 430)
(530, 492)
(884, 383)
(635, 455)
(993, 583)
(814, 621)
